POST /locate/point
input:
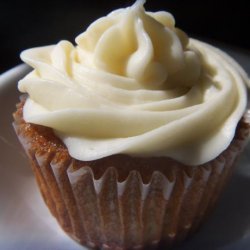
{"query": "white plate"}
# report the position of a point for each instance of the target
(26, 224)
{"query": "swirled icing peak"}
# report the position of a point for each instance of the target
(143, 46)
(135, 84)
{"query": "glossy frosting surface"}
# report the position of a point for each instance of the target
(135, 84)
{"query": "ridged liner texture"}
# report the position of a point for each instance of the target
(123, 202)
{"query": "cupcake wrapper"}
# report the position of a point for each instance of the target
(107, 213)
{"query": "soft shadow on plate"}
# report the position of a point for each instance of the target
(228, 227)
(27, 224)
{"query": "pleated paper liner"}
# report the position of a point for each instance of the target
(123, 202)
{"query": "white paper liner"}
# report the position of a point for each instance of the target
(105, 213)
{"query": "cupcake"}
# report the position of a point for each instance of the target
(133, 132)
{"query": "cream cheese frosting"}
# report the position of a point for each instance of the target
(135, 84)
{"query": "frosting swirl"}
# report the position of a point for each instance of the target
(135, 84)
